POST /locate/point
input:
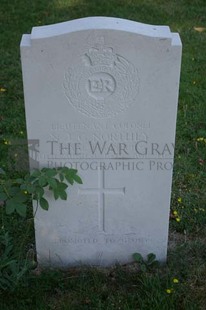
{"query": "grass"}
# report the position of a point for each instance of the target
(122, 287)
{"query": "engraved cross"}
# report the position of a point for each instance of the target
(101, 190)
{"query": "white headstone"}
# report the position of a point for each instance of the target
(101, 96)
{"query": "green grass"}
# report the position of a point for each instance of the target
(121, 287)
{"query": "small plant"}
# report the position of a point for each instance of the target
(145, 265)
(11, 269)
(16, 194)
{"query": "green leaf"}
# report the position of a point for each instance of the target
(42, 181)
(10, 206)
(39, 191)
(59, 191)
(138, 257)
(30, 188)
(56, 194)
(21, 209)
(44, 203)
(151, 258)
(36, 173)
(72, 171)
(62, 186)
(69, 179)
(31, 180)
(51, 172)
(61, 177)
(77, 179)
(13, 190)
(23, 187)
(53, 183)
(20, 197)
(63, 195)
(65, 170)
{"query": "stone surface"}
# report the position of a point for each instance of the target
(101, 96)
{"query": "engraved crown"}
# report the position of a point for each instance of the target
(101, 56)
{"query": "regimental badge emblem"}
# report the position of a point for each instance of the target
(103, 85)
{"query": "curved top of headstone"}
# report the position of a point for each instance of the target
(102, 23)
